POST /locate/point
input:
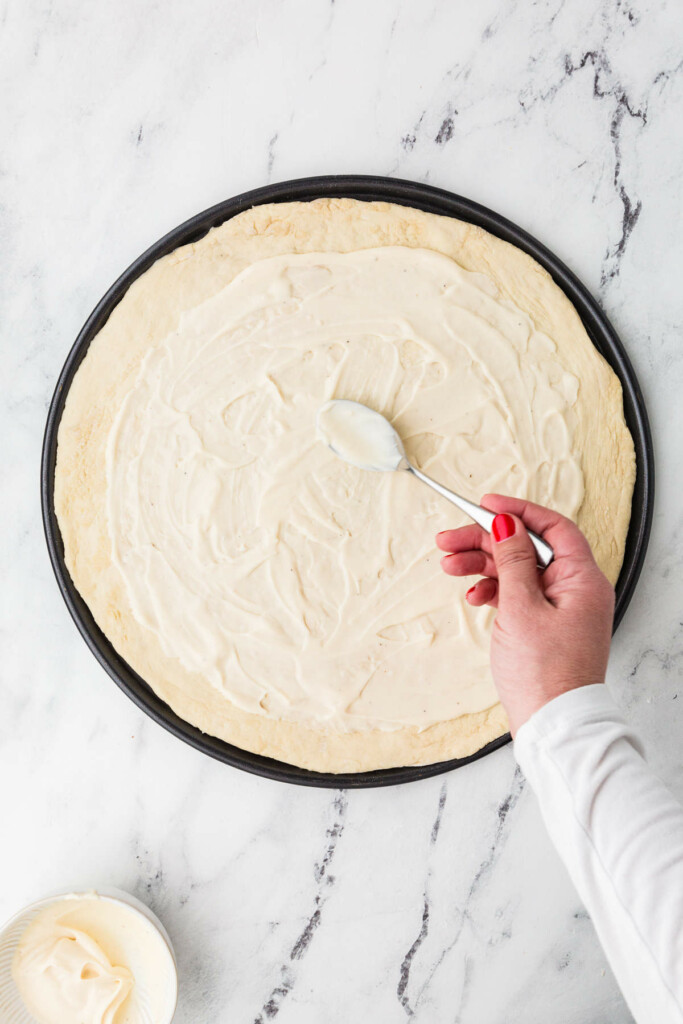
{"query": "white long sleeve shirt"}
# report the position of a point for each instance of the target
(620, 833)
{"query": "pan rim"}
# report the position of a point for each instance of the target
(367, 188)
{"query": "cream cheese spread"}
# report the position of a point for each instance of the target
(303, 588)
(89, 959)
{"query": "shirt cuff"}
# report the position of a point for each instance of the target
(575, 707)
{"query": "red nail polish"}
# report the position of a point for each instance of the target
(503, 527)
(471, 590)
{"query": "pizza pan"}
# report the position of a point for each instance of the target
(362, 187)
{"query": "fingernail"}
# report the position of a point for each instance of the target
(503, 527)
(470, 591)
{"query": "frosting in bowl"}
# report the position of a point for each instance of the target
(90, 959)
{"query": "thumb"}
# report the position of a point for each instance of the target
(515, 560)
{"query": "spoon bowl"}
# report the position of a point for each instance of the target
(361, 436)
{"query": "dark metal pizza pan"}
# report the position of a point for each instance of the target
(406, 193)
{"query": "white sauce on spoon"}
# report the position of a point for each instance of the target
(361, 436)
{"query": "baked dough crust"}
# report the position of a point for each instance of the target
(151, 309)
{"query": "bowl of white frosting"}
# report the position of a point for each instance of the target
(87, 958)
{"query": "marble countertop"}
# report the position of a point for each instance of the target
(438, 901)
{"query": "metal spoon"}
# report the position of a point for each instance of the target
(365, 438)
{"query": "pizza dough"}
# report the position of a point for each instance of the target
(272, 595)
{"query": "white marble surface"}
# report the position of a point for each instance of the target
(441, 901)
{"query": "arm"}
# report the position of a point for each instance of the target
(620, 833)
(616, 826)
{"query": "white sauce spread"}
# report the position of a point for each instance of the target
(302, 587)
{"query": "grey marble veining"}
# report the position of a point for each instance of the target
(440, 901)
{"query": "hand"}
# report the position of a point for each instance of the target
(552, 630)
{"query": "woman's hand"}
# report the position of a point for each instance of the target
(552, 630)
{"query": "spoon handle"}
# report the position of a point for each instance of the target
(484, 517)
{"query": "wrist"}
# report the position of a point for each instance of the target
(524, 705)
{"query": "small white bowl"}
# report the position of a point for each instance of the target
(12, 1009)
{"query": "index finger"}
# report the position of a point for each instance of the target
(561, 533)
(464, 538)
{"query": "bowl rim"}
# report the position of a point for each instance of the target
(365, 188)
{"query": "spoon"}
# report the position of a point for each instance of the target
(366, 439)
